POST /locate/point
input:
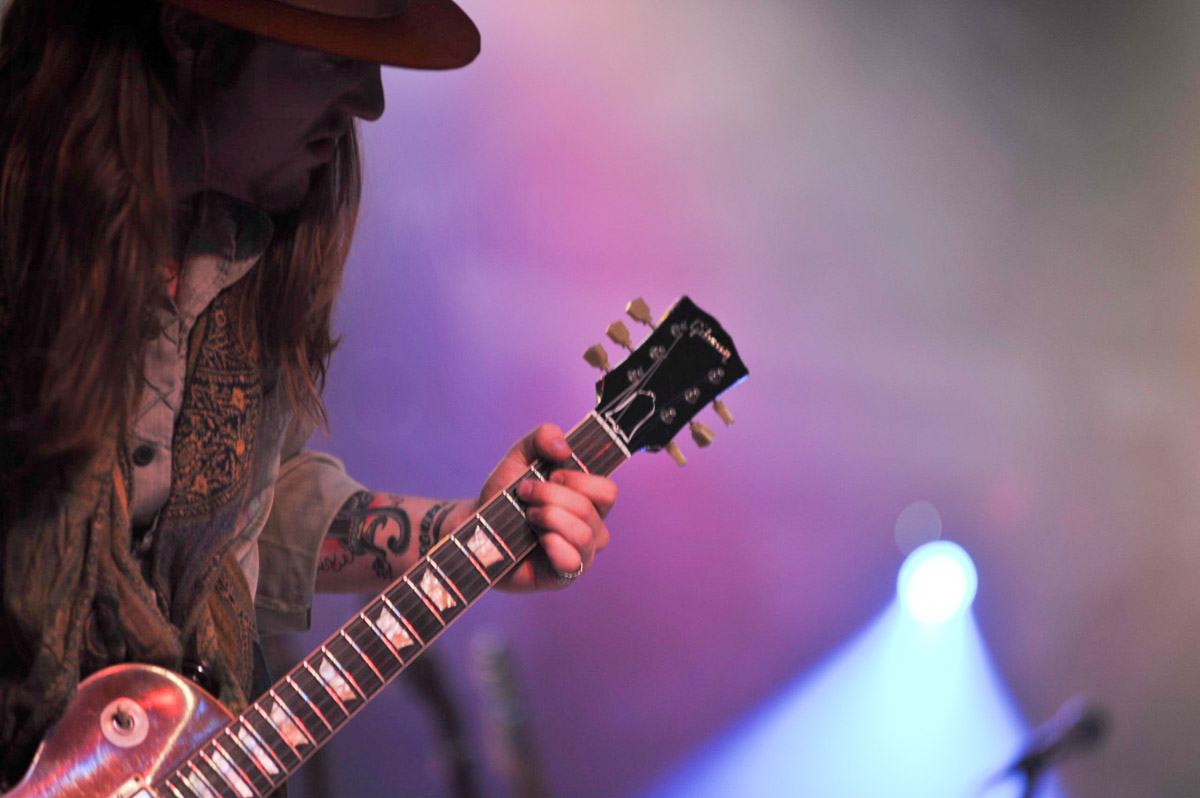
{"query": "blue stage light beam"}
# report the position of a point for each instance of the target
(906, 709)
(937, 582)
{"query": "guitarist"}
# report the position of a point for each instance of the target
(178, 189)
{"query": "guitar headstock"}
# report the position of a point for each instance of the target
(684, 365)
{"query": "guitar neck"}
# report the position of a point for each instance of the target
(260, 748)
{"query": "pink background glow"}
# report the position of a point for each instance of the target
(954, 244)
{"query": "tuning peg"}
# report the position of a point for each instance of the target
(701, 434)
(676, 455)
(619, 334)
(723, 412)
(597, 357)
(639, 311)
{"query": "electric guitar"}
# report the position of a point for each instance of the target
(140, 731)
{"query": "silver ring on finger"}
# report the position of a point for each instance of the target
(567, 578)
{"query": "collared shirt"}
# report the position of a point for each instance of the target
(295, 496)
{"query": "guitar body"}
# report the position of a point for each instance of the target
(90, 755)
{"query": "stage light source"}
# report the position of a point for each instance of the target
(937, 582)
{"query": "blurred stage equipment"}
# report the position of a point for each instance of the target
(426, 677)
(1077, 726)
(511, 743)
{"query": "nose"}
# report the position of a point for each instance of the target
(364, 99)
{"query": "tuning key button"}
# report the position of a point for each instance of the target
(639, 311)
(701, 434)
(597, 357)
(619, 334)
(723, 412)
(676, 455)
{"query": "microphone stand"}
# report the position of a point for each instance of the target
(1076, 727)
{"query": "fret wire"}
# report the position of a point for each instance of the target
(426, 601)
(447, 580)
(519, 535)
(271, 752)
(251, 757)
(271, 724)
(594, 454)
(328, 689)
(237, 756)
(595, 449)
(233, 763)
(381, 636)
(185, 785)
(603, 450)
(217, 772)
(471, 559)
(196, 770)
(323, 698)
(345, 673)
(513, 502)
(583, 441)
(591, 441)
(400, 617)
(279, 702)
(460, 569)
(424, 624)
(310, 703)
(388, 664)
(459, 566)
(495, 537)
(362, 656)
(505, 523)
(592, 447)
(450, 560)
(218, 777)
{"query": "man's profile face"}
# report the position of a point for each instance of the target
(280, 118)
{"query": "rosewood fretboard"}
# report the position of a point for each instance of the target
(260, 748)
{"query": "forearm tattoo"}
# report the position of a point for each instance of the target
(355, 527)
(431, 525)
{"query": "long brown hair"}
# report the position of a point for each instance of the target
(87, 103)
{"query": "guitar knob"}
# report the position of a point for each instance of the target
(639, 311)
(619, 334)
(597, 357)
(701, 434)
(672, 449)
(723, 412)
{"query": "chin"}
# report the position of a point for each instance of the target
(283, 198)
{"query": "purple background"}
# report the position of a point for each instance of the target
(956, 247)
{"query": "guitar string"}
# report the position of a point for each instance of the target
(589, 441)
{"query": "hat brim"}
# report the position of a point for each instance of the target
(430, 34)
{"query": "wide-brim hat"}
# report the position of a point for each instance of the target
(422, 34)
